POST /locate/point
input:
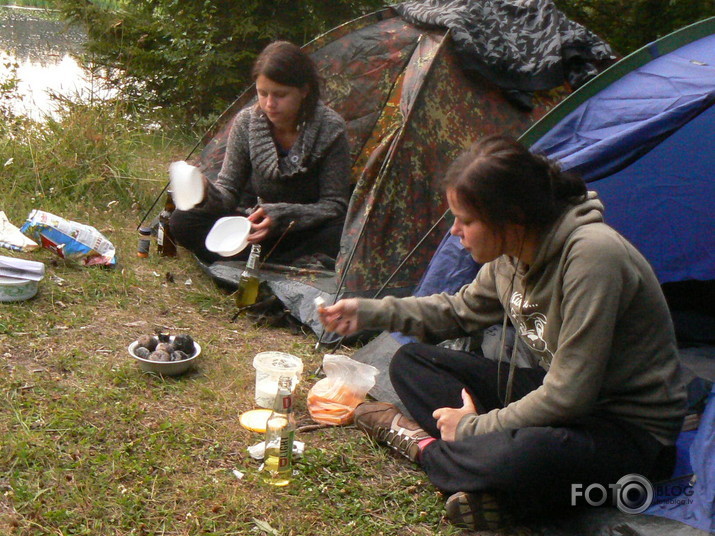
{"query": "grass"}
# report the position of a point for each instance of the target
(90, 445)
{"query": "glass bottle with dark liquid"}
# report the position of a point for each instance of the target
(164, 239)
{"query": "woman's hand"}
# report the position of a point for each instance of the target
(448, 418)
(340, 318)
(261, 224)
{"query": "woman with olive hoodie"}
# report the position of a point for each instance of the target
(606, 401)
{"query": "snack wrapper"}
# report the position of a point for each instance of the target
(11, 238)
(69, 240)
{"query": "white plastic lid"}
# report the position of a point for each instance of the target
(187, 185)
(277, 363)
(228, 236)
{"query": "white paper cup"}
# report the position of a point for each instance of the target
(228, 236)
(187, 185)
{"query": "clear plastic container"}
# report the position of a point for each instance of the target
(270, 366)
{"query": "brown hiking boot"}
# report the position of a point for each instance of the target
(384, 424)
(477, 511)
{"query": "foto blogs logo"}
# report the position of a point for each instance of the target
(632, 494)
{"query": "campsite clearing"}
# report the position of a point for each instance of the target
(91, 445)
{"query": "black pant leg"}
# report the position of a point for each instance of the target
(189, 229)
(534, 468)
(427, 377)
(324, 240)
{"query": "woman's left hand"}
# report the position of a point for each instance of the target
(448, 418)
(261, 224)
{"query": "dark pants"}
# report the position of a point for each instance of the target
(190, 228)
(532, 467)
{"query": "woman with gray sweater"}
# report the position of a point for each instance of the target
(606, 402)
(287, 166)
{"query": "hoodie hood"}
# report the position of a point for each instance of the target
(585, 213)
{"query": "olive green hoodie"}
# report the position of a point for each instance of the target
(590, 307)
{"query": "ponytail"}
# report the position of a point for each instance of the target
(566, 188)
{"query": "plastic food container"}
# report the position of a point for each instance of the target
(270, 366)
(16, 289)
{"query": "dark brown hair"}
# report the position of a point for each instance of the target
(285, 63)
(501, 181)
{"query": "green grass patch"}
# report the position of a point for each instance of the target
(91, 445)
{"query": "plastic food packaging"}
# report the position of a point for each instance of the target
(68, 239)
(11, 237)
(333, 399)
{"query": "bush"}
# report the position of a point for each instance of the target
(196, 55)
(630, 24)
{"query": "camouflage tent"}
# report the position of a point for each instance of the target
(410, 110)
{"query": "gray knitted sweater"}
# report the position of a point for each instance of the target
(310, 185)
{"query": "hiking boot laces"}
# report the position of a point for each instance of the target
(400, 441)
(385, 424)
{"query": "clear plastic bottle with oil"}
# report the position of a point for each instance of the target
(248, 283)
(280, 433)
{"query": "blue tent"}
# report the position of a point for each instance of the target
(642, 134)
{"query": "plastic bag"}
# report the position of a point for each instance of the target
(333, 399)
(69, 239)
(11, 237)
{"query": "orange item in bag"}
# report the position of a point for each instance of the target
(336, 410)
(333, 399)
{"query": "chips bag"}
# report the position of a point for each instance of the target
(69, 239)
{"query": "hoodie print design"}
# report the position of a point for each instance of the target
(531, 325)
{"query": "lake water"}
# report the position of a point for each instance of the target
(43, 50)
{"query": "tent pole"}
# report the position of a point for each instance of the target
(409, 255)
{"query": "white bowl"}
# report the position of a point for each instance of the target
(14, 289)
(187, 185)
(165, 368)
(228, 236)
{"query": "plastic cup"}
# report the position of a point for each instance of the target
(270, 366)
(228, 236)
(187, 185)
